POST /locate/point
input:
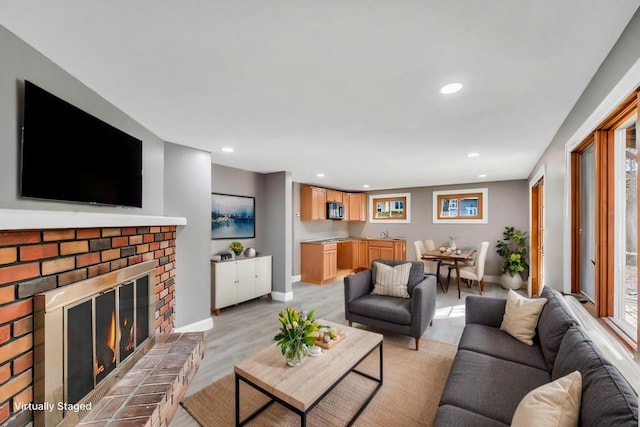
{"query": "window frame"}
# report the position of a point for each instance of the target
(404, 198)
(482, 215)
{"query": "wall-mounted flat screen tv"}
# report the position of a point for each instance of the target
(70, 155)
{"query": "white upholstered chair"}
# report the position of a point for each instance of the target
(475, 272)
(430, 267)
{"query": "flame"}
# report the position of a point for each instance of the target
(130, 345)
(111, 338)
(99, 368)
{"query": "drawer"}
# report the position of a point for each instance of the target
(330, 247)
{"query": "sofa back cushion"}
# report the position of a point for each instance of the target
(607, 398)
(554, 321)
(416, 274)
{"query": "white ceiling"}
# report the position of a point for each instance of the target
(344, 87)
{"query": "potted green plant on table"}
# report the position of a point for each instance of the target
(237, 248)
(513, 249)
(297, 333)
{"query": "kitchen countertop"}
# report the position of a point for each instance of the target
(346, 239)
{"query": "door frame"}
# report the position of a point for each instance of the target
(535, 283)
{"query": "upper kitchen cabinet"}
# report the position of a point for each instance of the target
(313, 203)
(356, 207)
(335, 196)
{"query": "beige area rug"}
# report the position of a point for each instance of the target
(412, 384)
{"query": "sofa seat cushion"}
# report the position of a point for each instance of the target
(494, 342)
(607, 398)
(554, 321)
(453, 416)
(490, 386)
(390, 309)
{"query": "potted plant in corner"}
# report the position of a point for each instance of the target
(513, 250)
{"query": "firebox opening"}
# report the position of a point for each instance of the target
(87, 335)
(102, 332)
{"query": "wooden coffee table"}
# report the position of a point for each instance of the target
(301, 388)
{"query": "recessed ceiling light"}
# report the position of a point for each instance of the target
(451, 88)
(320, 175)
(227, 149)
(482, 175)
(365, 186)
(473, 154)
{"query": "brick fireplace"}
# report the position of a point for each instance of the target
(34, 261)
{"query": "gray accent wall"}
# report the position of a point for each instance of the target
(508, 206)
(21, 62)
(183, 197)
(623, 56)
(279, 229)
(274, 224)
(187, 177)
(239, 182)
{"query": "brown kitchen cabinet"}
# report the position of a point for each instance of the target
(356, 207)
(313, 203)
(387, 249)
(335, 196)
(319, 262)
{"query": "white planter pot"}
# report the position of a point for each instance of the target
(511, 282)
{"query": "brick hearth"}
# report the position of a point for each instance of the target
(33, 261)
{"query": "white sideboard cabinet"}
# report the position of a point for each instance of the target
(239, 280)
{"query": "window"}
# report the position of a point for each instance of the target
(460, 206)
(605, 268)
(390, 208)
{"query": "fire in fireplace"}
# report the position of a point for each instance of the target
(91, 331)
(101, 333)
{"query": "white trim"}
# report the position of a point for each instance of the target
(296, 278)
(282, 296)
(537, 176)
(407, 208)
(18, 219)
(485, 206)
(619, 93)
(199, 326)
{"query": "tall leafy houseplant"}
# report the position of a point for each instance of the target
(513, 249)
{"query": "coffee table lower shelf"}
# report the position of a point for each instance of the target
(303, 414)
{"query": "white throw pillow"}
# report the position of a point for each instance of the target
(554, 404)
(392, 281)
(521, 316)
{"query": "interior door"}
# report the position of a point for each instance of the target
(587, 223)
(537, 237)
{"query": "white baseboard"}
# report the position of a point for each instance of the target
(491, 279)
(282, 296)
(296, 278)
(199, 326)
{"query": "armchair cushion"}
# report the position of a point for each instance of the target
(390, 309)
(392, 281)
(416, 274)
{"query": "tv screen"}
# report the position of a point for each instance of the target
(70, 155)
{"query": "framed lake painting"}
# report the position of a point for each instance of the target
(232, 217)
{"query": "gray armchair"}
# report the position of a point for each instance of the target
(404, 316)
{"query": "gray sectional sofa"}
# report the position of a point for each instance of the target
(493, 371)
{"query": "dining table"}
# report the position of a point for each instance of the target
(456, 257)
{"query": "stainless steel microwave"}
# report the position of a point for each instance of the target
(335, 211)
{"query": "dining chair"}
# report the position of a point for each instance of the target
(430, 267)
(475, 272)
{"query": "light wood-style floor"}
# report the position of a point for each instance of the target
(246, 328)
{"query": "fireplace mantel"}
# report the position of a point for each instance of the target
(19, 219)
